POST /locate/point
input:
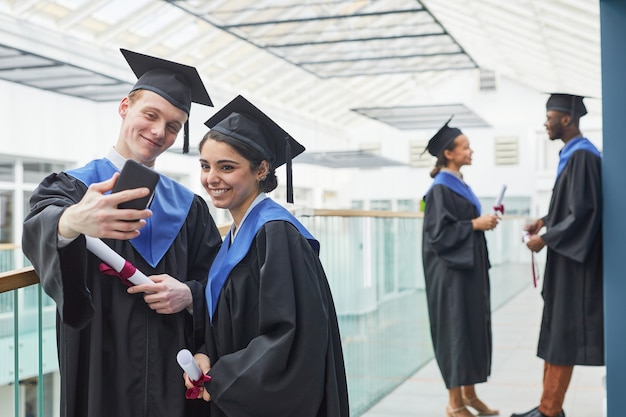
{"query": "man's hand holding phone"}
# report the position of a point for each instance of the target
(102, 215)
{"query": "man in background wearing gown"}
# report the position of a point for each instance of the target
(572, 324)
(117, 345)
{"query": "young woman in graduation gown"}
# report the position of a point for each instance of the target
(456, 266)
(273, 346)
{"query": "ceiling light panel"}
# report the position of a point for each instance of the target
(335, 38)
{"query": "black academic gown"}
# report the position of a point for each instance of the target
(117, 357)
(572, 326)
(456, 266)
(274, 344)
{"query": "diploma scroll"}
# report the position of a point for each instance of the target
(533, 263)
(497, 205)
(125, 270)
(188, 363)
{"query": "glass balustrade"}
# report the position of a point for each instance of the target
(374, 268)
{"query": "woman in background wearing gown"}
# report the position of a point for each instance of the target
(456, 270)
(272, 345)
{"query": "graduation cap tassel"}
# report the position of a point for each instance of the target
(186, 137)
(289, 176)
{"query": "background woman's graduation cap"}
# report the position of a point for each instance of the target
(243, 121)
(442, 139)
(567, 103)
(179, 84)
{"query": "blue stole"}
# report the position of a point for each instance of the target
(455, 184)
(571, 147)
(230, 255)
(170, 206)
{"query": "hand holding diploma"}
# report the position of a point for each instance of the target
(194, 375)
(535, 243)
(530, 241)
(534, 227)
(530, 235)
(166, 295)
(485, 222)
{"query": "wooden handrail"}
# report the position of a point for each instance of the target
(18, 278)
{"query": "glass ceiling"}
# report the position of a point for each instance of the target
(48, 74)
(336, 61)
(340, 38)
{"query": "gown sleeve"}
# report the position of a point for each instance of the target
(575, 214)
(204, 243)
(447, 229)
(62, 271)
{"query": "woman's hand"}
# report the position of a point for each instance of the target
(485, 222)
(204, 363)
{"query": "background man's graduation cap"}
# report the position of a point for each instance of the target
(177, 83)
(442, 139)
(567, 103)
(243, 121)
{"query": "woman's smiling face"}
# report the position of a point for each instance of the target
(228, 179)
(461, 154)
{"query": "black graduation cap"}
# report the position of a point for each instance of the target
(567, 103)
(177, 83)
(442, 139)
(243, 121)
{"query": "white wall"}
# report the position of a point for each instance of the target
(45, 125)
(513, 110)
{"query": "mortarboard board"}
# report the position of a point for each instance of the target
(179, 84)
(444, 137)
(242, 121)
(567, 103)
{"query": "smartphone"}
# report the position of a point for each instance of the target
(135, 175)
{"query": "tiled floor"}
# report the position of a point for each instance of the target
(515, 383)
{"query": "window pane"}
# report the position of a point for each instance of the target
(36, 171)
(381, 205)
(6, 216)
(407, 205)
(6, 171)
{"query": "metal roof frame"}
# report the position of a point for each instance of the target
(335, 61)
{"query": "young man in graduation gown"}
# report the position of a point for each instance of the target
(273, 338)
(117, 345)
(572, 324)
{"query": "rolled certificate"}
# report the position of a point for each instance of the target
(497, 205)
(188, 363)
(115, 261)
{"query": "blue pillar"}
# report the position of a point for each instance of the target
(613, 34)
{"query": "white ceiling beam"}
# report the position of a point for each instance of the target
(83, 12)
(23, 7)
(130, 21)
